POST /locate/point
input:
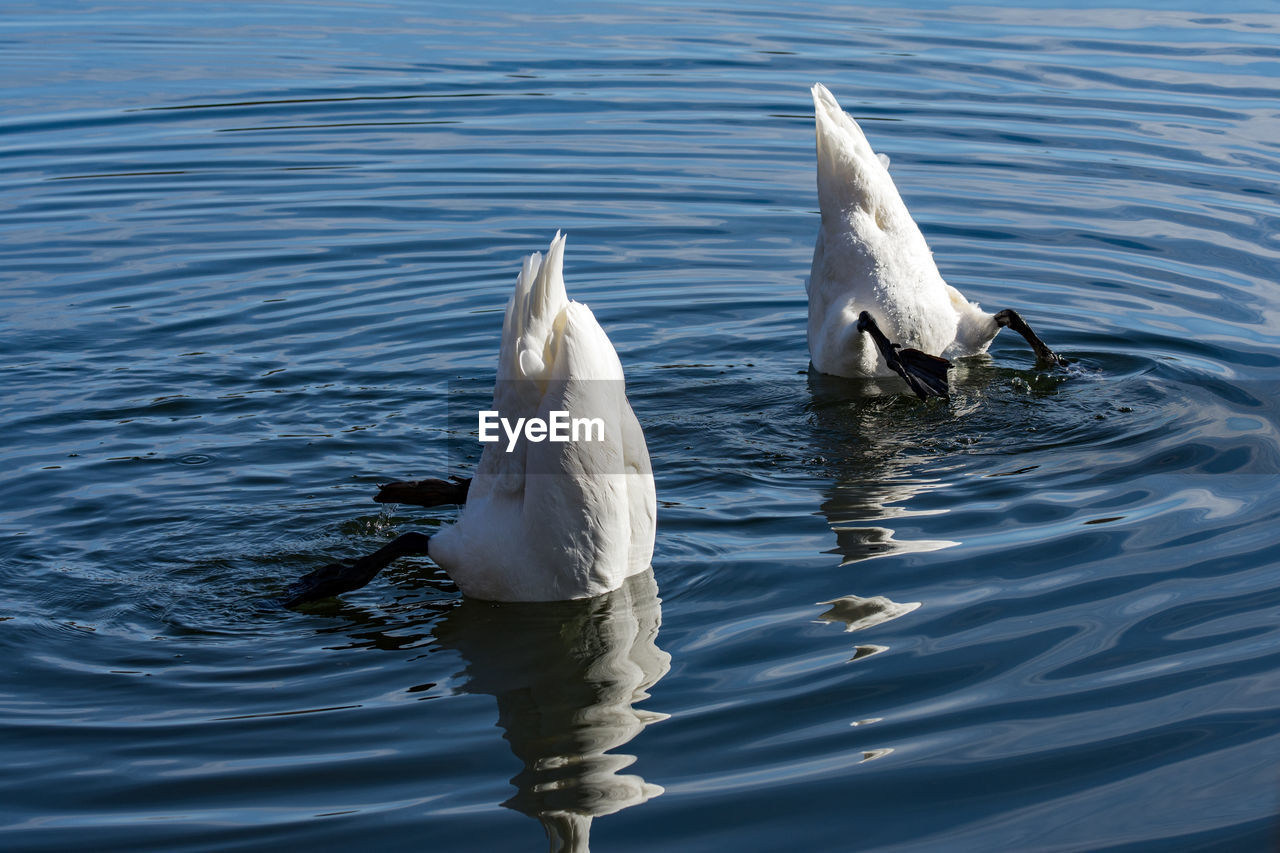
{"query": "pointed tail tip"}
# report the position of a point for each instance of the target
(553, 266)
(831, 119)
(823, 100)
(528, 271)
(557, 243)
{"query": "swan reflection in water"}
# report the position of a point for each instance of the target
(567, 676)
(872, 455)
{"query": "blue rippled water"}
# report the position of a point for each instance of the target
(247, 249)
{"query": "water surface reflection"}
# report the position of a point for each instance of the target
(871, 454)
(567, 676)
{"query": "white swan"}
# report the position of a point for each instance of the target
(871, 266)
(545, 521)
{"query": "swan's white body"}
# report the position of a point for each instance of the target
(554, 521)
(870, 256)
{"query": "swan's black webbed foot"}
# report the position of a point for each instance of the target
(1044, 355)
(925, 374)
(428, 493)
(337, 578)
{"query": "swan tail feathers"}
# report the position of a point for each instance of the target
(850, 173)
(548, 296)
(537, 301)
(516, 318)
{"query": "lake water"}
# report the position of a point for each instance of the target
(251, 252)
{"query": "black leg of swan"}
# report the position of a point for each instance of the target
(428, 493)
(1044, 355)
(337, 578)
(925, 374)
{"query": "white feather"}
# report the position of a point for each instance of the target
(552, 521)
(870, 256)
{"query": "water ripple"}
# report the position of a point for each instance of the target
(241, 292)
